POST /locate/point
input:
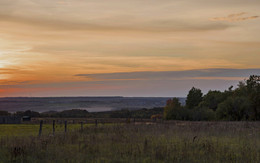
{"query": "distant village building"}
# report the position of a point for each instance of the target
(10, 120)
(26, 118)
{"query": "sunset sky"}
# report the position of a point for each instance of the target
(126, 47)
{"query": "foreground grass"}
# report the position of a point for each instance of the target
(171, 142)
(14, 130)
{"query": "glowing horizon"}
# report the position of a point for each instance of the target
(46, 44)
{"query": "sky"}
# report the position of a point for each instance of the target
(126, 47)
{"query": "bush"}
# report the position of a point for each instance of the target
(172, 108)
(234, 108)
(203, 114)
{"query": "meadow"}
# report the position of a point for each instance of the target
(24, 130)
(171, 141)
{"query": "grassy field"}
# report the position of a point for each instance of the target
(14, 130)
(174, 141)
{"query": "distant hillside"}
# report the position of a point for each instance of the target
(91, 104)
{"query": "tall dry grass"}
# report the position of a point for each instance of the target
(174, 141)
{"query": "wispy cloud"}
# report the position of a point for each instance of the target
(164, 83)
(234, 17)
(159, 25)
(224, 74)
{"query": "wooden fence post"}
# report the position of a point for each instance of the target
(40, 130)
(96, 122)
(81, 123)
(65, 126)
(53, 127)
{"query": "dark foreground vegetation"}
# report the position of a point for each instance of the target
(174, 141)
(242, 103)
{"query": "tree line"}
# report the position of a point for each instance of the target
(79, 113)
(241, 103)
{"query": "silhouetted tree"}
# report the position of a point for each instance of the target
(194, 98)
(4, 113)
(171, 107)
(241, 103)
(212, 99)
(27, 113)
(234, 108)
(253, 87)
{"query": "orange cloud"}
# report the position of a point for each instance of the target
(45, 43)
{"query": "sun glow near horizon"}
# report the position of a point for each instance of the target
(44, 44)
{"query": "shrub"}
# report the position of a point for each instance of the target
(234, 108)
